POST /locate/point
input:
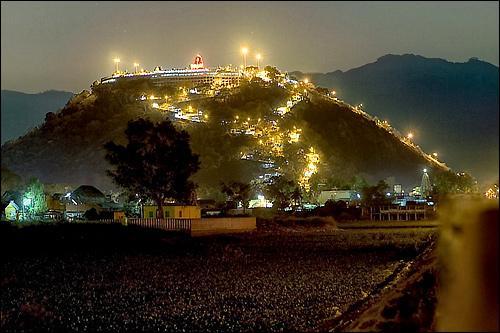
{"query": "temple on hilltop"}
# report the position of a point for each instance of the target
(196, 75)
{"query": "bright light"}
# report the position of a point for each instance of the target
(26, 201)
(306, 81)
(425, 170)
(333, 92)
(244, 50)
(258, 56)
(435, 154)
(410, 135)
(155, 105)
(117, 61)
(136, 64)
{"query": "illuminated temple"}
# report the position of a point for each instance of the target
(196, 75)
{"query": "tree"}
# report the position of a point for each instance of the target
(272, 73)
(238, 191)
(34, 202)
(375, 195)
(448, 182)
(91, 214)
(156, 163)
(296, 196)
(281, 190)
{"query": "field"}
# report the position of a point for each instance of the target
(108, 277)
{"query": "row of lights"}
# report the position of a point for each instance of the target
(244, 52)
(117, 61)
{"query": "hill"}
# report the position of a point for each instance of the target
(68, 146)
(21, 111)
(451, 107)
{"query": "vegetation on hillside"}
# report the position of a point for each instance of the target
(68, 146)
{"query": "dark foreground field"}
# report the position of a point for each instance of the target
(109, 277)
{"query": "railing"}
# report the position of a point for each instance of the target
(163, 224)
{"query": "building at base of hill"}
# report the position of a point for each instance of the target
(171, 211)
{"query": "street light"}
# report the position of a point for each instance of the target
(258, 56)
(244, 51)
(117, 61)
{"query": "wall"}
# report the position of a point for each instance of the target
(188, 212)
(211, 226)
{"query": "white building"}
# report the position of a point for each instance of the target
(336, 195)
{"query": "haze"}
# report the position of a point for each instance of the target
(66, 46)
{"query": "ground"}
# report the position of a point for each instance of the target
(115, 278)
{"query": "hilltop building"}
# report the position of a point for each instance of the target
(196, 75)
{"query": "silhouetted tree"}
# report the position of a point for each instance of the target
(238, 191)
(281, 191)
(91, 214)
(156, 163)
(272, 72)
(448, 182)
(375, 195)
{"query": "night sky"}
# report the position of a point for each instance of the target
(66, 46)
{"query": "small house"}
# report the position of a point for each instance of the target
(12, 211)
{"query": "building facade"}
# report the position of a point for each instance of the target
(196, 75)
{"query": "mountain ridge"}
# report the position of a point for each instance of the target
(451, 106)
(21, 111)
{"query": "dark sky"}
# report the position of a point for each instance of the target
(67, 45)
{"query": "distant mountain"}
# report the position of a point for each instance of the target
(451, 107)
(21, 111)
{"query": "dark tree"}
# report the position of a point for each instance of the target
(448, 182)
(156, 163)
(281, 191)
(238, 191)
(375, 195)
(91, 214)
(272, 72)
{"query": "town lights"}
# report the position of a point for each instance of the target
(306, 81)
(410, 135)
(117, 61)
(435, 155)
(136, 65)
(244, 51)
(258, 56)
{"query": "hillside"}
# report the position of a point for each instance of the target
(451, 107)
(21, 111)
(67, 148)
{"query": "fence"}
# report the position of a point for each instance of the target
(163, 224)
(195, 227)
